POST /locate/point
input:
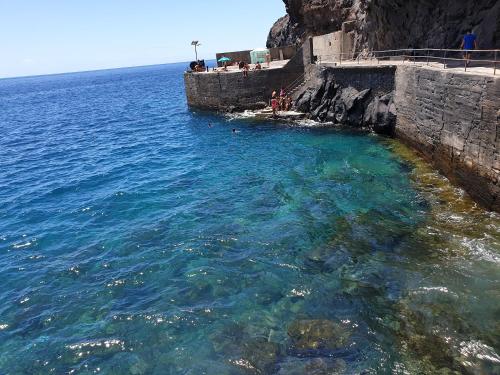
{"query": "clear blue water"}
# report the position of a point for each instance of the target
(134, 238)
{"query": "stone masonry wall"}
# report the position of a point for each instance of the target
(379, 78)
(224, 90)
(453, 119)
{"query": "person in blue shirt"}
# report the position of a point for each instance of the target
(468, 44)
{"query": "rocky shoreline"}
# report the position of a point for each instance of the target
(334, 103)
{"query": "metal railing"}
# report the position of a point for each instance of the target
(296, 83)
(448, 58)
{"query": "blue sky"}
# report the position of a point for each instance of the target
(54, 36)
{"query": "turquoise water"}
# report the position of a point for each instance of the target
(134, 238)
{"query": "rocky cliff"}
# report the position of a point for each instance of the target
(387, 24)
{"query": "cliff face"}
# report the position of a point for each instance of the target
(388, 24)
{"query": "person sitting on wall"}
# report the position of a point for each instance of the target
(246, 68)
(258, 66)
(469, 43)
(241, 65)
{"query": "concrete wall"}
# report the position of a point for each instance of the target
(453, 119)
(379, 78)
(222, 90)
(234, 56)
(279, 53)
(328, 47)
(283, 53)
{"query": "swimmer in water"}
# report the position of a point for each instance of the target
(209, 125)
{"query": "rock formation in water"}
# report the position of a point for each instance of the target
(388, 24)
(330, 102)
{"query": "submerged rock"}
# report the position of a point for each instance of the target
(312, 366)
(262, 354)
(317, 335)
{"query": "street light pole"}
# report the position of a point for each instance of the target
(196, 44)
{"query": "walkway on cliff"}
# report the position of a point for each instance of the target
(474, 68)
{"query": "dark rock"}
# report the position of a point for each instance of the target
(303, 102)
(357, 111)
(348, 106)
(312, 366)
(340, 111)
(389, 24)
(321, 111)
(330, 87)
(262, 355)
(317, 335)
(380, 115)
(317, 96)
(348, 97)
(284, 33)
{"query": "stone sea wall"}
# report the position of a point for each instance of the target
(453, 120)
(231, 90)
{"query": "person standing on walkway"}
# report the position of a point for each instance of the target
(469, 43)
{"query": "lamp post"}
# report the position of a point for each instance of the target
(196, 44)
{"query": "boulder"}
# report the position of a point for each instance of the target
(303, 102)
(380, 115)
(312, 366)
(262, 354)
(317, 335)
(321, 111)
(317, 96)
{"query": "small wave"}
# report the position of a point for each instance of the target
(474, 349)
(107, 344)
(480, 250)
(241, 115)
(23, 245)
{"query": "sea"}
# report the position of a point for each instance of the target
(140, 236)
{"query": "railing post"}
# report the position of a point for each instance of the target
(427, 52)
(495, 64)
(414, 58)
(465, 64)
(444, 60)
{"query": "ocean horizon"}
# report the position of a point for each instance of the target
(104, 69)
